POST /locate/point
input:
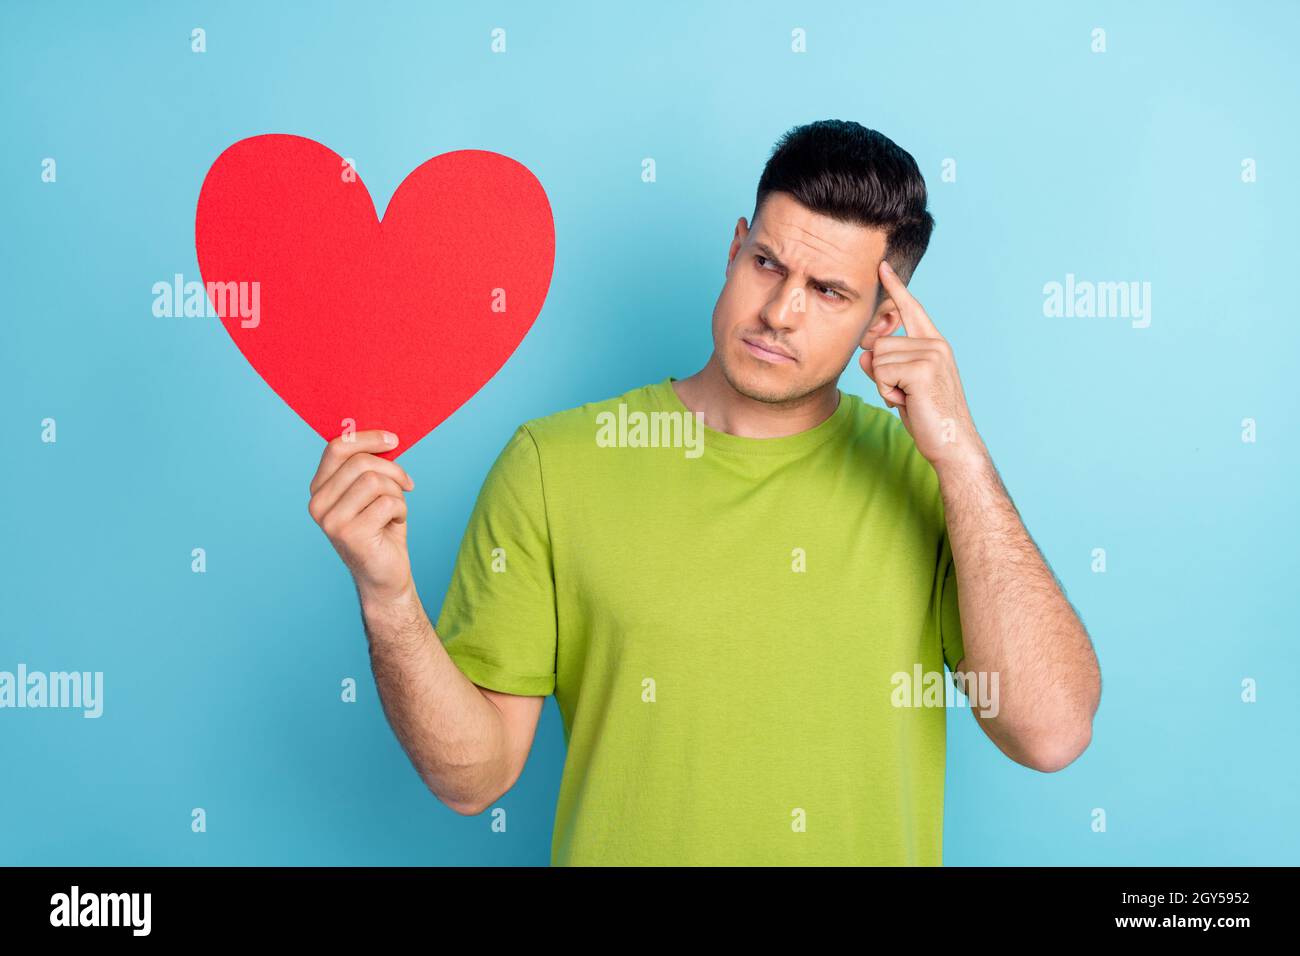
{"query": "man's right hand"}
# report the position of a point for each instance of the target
(357, 499)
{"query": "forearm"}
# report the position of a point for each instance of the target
(452, 733)
(1017, 622)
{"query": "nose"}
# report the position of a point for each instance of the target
(786, 307)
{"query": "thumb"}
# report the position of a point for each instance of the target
(891, 394)
(865, 361)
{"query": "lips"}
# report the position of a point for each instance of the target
(767, 351)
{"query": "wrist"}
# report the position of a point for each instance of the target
(389, 602)
(972, 463)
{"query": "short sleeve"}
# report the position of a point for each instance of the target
(497, 622)
(949, 610)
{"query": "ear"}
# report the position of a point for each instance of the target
(886, 320)
(742, 230)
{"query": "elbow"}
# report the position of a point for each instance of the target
(465, 809)
(1057, 753)
(472, 785)
(463, 804)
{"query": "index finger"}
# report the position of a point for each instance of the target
(915, 322)
(345, 446)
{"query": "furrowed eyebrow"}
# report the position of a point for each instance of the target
(838, 284)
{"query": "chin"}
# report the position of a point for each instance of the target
(768, 383)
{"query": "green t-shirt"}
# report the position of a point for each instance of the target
(723, 628)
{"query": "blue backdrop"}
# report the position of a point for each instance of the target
(1162, 151)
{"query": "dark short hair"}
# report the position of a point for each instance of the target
(841, 169)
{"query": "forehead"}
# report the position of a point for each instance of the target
(797, 233)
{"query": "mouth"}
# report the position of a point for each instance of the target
(767, 352)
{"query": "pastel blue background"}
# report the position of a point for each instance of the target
(222, 689)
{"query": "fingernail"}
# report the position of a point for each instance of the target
(390, 438)
(884, 264)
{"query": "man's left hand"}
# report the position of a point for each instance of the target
(916, 374)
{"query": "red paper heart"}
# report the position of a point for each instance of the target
(391, 324)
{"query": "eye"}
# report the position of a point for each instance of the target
(826, 290)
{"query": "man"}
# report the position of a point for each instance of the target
(726, 624)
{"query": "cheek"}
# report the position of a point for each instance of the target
(829, 342)
(735, 290)
(732, 308)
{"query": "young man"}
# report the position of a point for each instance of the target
(736, 583)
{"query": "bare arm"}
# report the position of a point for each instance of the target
(468, 744)
(1017, 624)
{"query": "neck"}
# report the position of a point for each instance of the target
(727, 410)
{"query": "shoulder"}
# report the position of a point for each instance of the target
(577, 427)
(880, 431)
(888, 449)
